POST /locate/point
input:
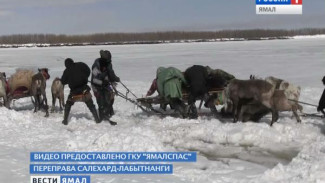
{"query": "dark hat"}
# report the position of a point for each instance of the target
(101, 52)
(105, 54)
(68, 62)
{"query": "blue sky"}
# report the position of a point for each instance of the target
(97, 16)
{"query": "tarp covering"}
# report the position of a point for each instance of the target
(22, 78)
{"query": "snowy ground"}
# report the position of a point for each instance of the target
(227, 152)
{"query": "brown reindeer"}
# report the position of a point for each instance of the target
(285, 98)
(38, 90)
(243, 92)
(253, 108)
(57, 90)
(291, 91)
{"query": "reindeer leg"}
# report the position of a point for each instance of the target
(241, 114)
(62, 98)
(39, 101)
(53, 103)
(5, 101)
(46, 106)
(240, 103)
(60, 103)
(234, 111)
(295, 113)
(9, 99)
(36, 103)
(297, 116)
(274, 116)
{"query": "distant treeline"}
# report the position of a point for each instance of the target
(152, 37)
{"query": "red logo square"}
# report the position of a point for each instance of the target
(296, 2)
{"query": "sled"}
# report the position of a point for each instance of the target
(19, 84)
(149, 101)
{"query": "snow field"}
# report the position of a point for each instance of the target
(227, 152)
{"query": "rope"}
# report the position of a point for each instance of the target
(134, 102)
(303, 102)
(128, 90)
(312, 115)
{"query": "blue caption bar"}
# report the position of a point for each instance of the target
(113, 156)
(75, 179)
(272, 2)
(101, 169)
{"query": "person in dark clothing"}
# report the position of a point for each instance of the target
(197, 77)
(103, 76)
(76, 76)
(321, 104)
(218, 78)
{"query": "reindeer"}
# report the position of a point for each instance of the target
(243, 92)
(281, 103)
(38, 87)
(57, 90)
(291, 91)
(244, 96)
(286, 100)
(3, 87)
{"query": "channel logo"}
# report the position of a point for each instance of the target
(278, 7)
(60, 179)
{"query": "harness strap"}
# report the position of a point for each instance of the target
(302, 102)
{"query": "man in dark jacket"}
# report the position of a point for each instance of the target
(321, 105)
(76, 76)
(102, 77)
(197, 77)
